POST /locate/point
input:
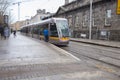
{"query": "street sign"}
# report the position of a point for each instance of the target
(118, 7)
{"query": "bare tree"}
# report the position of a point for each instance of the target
(4, 4)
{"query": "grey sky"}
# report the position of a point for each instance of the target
(29, 7)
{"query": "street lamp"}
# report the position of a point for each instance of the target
(90, 26)
(18, 3)
(10, 15)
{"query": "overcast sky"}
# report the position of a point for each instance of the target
(28, 8)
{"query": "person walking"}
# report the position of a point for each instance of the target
(46, 35)
(14, 33)
(1, 31)
(6, 32)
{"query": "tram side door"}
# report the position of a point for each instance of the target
(53, 37)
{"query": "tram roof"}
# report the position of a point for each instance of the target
(50, 20)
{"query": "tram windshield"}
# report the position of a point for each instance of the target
(63, 27)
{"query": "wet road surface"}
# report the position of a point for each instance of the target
(104, 58)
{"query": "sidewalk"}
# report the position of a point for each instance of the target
(27, 58)
(26, 50)
(112, 44)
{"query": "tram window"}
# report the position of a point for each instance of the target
(41, 31)
(42, 27)
(53, 30)
(26, 30)
(36, 30)
(63, 26)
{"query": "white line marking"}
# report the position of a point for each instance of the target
(65, 52)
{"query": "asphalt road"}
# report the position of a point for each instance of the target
(103, 58)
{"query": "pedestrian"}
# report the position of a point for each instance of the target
(1, 31)
(6, 32)
(46, 35)
(14, 33)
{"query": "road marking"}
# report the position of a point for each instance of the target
(65, 52)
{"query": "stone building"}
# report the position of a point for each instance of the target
(39, 16)
(66, 1)
(17, 25)
(105, 21)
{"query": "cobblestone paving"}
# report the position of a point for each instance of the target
(69, 71)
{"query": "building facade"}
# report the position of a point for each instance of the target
(105, 21)
(17, 25)
(39, 16)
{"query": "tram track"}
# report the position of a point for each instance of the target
(86, 55)
(96, 56)
(95, 59)
(101, 51)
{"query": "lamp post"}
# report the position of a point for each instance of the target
(90, 26)
(10, 15)
(19, 11)
(18, 3)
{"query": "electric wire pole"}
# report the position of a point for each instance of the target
(90, 26)
(18, 3)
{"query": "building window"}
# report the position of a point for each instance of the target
(95, 20)
(41, 17)
(77, 21)
(85, 21)
(109, 12)
(70, 21)
(108, 17)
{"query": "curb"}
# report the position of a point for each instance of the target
(95, 43)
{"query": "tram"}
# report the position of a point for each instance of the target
(57, 27)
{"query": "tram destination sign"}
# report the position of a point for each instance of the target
(118, 7)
